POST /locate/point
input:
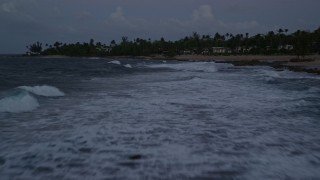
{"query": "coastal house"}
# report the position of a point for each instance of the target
(243, 49)
(248, 49)
(238, 49)
(288, 47)
(221, 50)
(107, 49)
(187, 52)
(205, 52)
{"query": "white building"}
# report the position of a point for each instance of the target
(285, 47)
(221, 50)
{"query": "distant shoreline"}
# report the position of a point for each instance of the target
(310, 64)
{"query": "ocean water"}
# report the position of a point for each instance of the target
(140, 119)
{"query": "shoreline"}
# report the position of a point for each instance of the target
(309, 64)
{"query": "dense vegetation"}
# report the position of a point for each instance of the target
(300, 43)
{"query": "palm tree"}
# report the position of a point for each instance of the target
(280, 31)
(113, 43)
(91, 42)
(35, 49)
(302, 43)
(124, 40)
(195, 35)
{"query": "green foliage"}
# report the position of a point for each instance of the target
(300, 43)
(35, 49)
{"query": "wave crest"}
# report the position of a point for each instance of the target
(22, 99)
(128, 66)
(20, 102)
(115, 62)
(208, 67)
(48, 91)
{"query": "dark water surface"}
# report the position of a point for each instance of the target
(134, 119)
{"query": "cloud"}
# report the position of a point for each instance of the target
(118, 15)
(204, 21)
(8, 7)
(119, 24)
(203, 12)
(24, 21)
(201, 19)
(117, 19)
(18, 11)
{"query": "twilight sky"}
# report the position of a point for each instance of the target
(23, 22)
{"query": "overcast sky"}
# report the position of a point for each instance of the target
(23, 22)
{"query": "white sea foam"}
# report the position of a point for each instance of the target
(115, 62)
(22, 102)
(285, 74)
(48, 91)
(128, 66)
(94, 58)
(197, 79)
(232, 112)
(314, 90)
(209, 67)
(301, 103)
(270, 73)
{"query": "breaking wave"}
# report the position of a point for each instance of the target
(23, 98)
(284, 74)
(48, 91)
(209, 67)
(128, 66)
(115, 62)
(270, 73)
(18, 102)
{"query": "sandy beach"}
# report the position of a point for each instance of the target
(272, 58)
(309, 63)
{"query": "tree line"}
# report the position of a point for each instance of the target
(279, 42)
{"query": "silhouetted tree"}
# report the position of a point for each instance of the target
(277, 42)
(35, 49)
(301, 43)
